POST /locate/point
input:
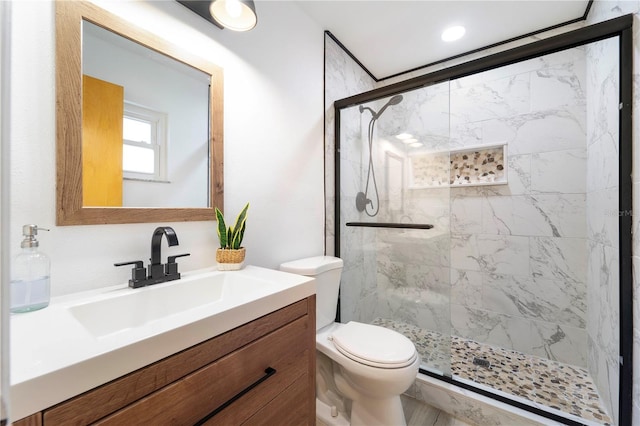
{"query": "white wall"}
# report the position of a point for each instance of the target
(273, 141)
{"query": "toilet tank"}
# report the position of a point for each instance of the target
(326, 270)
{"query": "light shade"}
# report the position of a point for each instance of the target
(237, 15)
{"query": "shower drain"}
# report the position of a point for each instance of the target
(481, 362)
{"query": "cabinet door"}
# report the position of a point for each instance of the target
(197, 395)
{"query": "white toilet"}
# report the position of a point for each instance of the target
(375, 364)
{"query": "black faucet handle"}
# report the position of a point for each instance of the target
(138, 263)
(172, 266)
(138, 273)
(172, 259)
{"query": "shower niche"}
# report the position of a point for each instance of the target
(520, 286)
(483, 165)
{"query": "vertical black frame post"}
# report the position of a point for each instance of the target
(625, 218)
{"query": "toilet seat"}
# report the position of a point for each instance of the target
(374, 345)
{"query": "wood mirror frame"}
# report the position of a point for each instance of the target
(69, 205)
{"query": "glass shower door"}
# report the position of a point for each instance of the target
(394, 218)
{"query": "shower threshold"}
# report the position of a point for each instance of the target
(541, 382)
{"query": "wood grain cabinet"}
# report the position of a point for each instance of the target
(262, 373)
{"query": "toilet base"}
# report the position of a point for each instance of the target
(324, 417)
(378, 412)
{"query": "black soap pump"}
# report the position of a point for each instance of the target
(30, 286)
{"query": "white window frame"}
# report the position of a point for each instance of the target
(158, 122)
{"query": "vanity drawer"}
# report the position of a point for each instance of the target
(138, 386)
(195, 396)
(271, 392)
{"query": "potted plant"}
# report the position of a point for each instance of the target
(230, 255)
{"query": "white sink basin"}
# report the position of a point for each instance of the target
(140, 307)
(86, 339)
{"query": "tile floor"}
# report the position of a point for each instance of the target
(419, 414)
(553, 384)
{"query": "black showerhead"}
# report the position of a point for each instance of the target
(362, 108)
(395, 100)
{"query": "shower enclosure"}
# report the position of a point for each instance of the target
(483, 211)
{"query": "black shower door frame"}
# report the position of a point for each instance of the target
(619, 27)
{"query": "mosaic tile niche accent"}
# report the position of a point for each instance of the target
(467, 167)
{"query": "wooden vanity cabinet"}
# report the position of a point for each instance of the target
(261, 373)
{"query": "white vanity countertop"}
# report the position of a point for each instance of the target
(55, 357)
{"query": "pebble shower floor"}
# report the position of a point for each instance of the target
(559, 386)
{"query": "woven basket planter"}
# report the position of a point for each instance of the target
(230, 260)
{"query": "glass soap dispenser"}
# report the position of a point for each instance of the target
(30, 287)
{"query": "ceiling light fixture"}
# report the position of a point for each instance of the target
(403, 136)
(236, 15)
(453, 33)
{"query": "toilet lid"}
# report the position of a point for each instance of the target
(373, 345)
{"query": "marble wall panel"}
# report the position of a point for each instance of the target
(605, 372)
(602, 216)
(559, 171)
(561, 302)
(603, 84)
(602, 219)
(561, 343)
(504, 97)
(502, 254)
(558, 85)
(343, 78)
(602, 163)
(496, 329)
(559, 258)
(528, 135)
(530, 231)
(466, 288)
(423, 113)
(604, 298)
(558, 215)
(556, 60)
(466, 213)
(544, 131)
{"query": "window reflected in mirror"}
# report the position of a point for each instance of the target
(160, 158)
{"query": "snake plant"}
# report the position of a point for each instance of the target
(231, 237)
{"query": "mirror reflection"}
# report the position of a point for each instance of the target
(145, 126)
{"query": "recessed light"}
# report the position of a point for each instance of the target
(403, 136)
(416, 145)
(409, 140)
(453, 33)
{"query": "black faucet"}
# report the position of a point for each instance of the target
(156, 272)
(156, 269)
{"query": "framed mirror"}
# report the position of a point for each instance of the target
(139, 133)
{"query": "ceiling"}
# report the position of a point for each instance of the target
(393, 36)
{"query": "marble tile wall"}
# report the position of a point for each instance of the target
(603, 300)
(343, 78)
(413, 265)
(516, 276)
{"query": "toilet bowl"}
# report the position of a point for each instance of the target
(372, 380)
(372, 365)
